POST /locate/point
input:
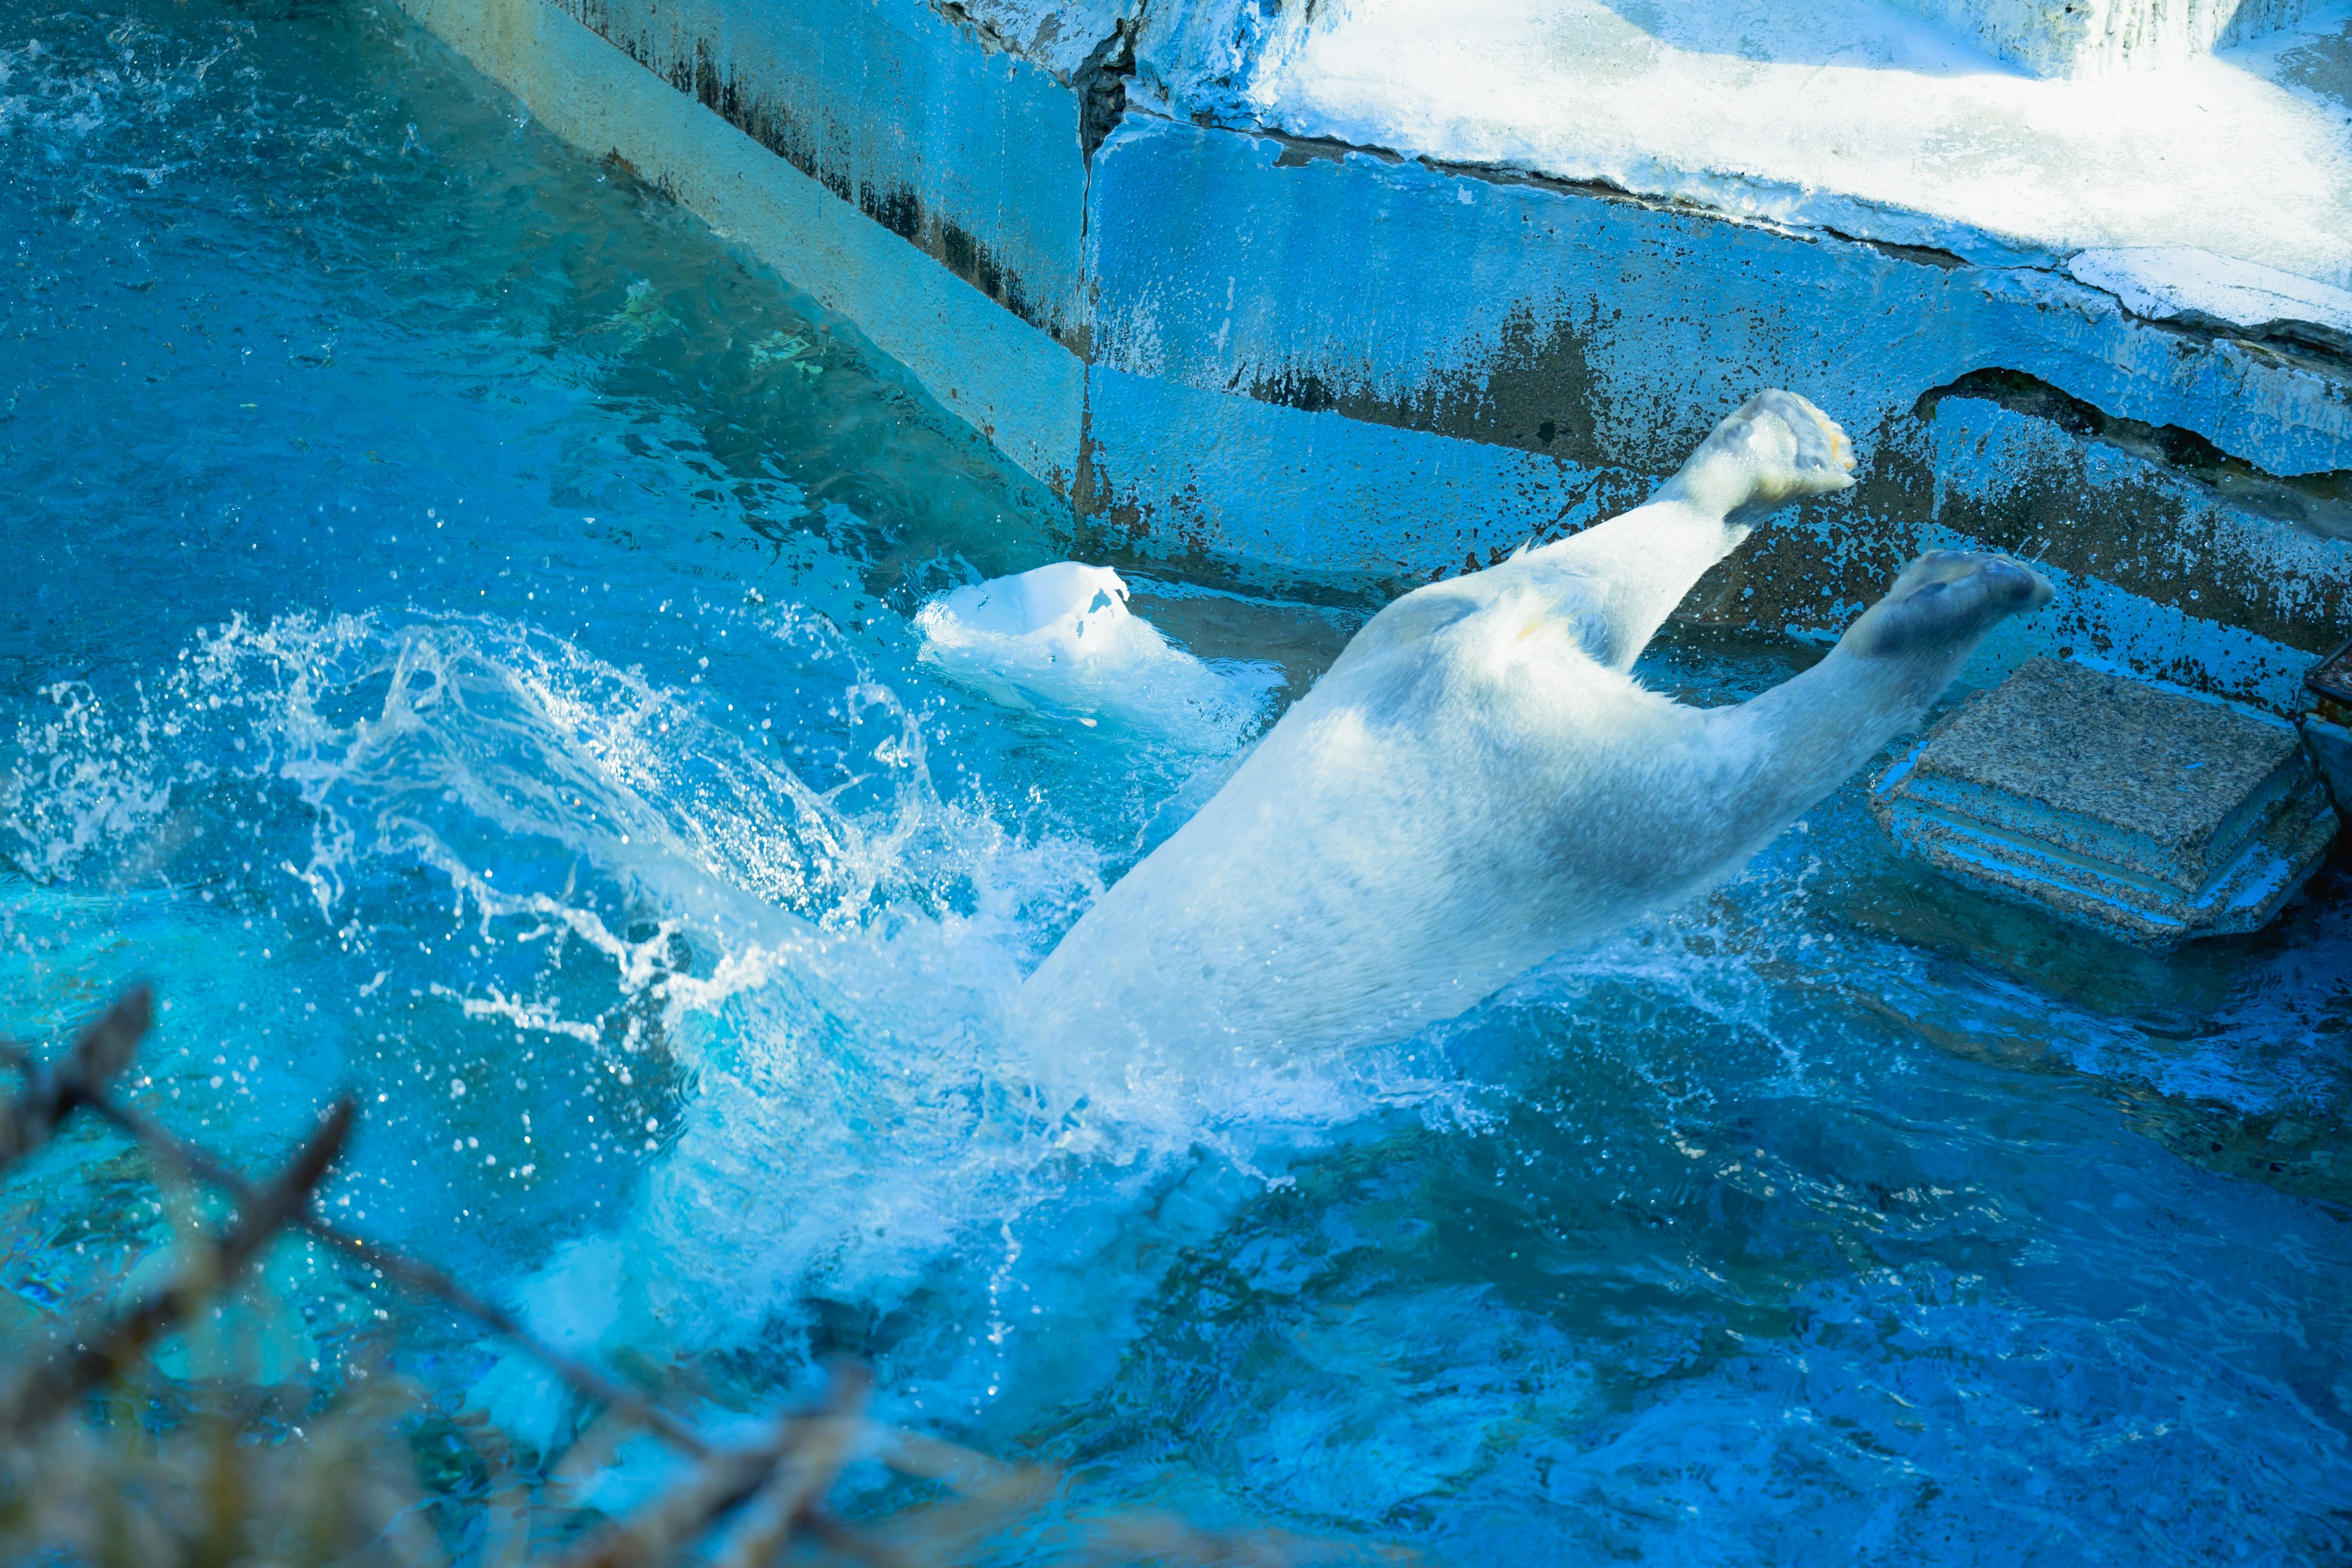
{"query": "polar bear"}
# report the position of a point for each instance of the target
(1478, 784)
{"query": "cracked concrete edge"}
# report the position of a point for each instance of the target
(2192, 591)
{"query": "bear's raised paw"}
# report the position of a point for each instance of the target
(1774, 448)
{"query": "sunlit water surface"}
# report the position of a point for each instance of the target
(458, 639)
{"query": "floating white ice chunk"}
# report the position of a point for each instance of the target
(2177, 282)
(1061, 638)
(1055, 606)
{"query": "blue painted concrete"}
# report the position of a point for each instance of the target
(1324, 359)
(972, 153)
(1231, 475)
(1402, 285)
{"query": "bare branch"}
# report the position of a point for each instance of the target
(102, 1050)
(811, 1446)
(799, 1484)
(103, 1348)
(422, 1278)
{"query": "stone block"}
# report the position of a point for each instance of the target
(2150, 816)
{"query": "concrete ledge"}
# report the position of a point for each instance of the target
(1016, 384)
(972, 155)
(1840, 116)
(1332, 359)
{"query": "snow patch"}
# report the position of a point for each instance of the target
(2197, 288)
(1854, 116)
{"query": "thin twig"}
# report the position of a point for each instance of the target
(797, 1487)
(50, 1094)
(104, 1348)
(419, 1276)
(719, 1483)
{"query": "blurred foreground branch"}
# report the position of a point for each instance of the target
(103, 1348)
(102, 1050)
(315, 1499)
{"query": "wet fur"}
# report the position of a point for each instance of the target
(1477, 784)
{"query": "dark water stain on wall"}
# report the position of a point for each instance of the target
(2320, 504)
(2152, 533)
(1816, 566)
(818, 148)
(2031, 487)
(1535, 391)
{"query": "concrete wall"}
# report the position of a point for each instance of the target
(1305, 357)
(850, 107)
(2106, 37)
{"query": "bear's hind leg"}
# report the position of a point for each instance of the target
(1771, 449)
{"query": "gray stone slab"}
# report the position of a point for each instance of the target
(2151, 816)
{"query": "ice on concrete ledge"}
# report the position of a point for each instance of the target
(2106, 37)
(1062, 36)
(1853, 116)
(1061, 637)
(2197, 288)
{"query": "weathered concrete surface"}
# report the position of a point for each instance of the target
(1322, 306)
(2107, 38)
(972, 155)
(1179, 468)
(1323, 359)
(1841, 115)
(2150, 816)
(1018, 386)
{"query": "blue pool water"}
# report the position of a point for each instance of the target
(458, 639)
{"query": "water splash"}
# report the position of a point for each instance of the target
(634, 890)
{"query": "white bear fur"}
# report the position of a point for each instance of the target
(1477, 784)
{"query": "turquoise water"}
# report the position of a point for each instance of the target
(458, 642)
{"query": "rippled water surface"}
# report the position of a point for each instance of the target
(457, 638)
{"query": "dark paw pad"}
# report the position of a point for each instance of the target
(1950, 596)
